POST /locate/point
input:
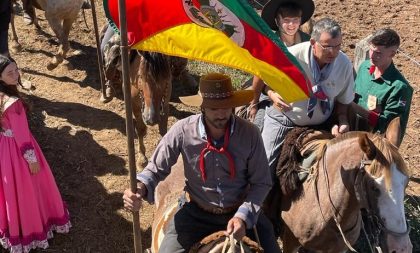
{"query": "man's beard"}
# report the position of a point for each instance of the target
(219, 123)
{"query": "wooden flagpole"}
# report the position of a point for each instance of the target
(129, 120)
(98, 51)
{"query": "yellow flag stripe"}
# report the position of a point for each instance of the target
(213, 46)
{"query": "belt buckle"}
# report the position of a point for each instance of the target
(218, 210)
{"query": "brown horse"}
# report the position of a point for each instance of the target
(354, 172)
(60, 15)
(167, 194)
(151, 87)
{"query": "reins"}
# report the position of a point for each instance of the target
(375, 223)
(331, 202)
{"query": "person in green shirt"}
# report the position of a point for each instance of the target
(381, 91)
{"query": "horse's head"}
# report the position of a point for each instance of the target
(155, 80)
(385, 189)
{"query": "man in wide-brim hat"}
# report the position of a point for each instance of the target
(226, 170)
(270, 10)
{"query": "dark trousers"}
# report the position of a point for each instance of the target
(4, 40)
(191, 224)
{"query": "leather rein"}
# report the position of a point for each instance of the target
(376, 224)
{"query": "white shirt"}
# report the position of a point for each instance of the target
(339, 86)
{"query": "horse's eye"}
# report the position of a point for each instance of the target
(376, 191)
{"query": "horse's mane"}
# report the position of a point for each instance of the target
(381, 163)
(154, 67)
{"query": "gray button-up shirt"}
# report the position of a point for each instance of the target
(248, 188)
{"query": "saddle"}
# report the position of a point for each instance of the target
(298, 155)
(112, 60)
(218, 242)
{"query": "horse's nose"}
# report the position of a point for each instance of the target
(150, 117)
(399, 244)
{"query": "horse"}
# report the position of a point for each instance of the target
(151, 87)
(354, 173)
(61, 15)
(167, 195)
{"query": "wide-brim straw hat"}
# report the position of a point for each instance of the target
(216, 91)
(269, 11)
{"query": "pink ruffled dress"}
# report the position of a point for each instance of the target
(31, 207)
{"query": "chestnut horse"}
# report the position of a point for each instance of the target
(167, 195)
(151, 87)
(354, 172)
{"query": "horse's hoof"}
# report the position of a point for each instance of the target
(104, 99)
(27, 19)
(27, 85)
(51, 66)
(16, 48)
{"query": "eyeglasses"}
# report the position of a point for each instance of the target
(329, 48)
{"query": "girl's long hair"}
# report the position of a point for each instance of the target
(9, 90)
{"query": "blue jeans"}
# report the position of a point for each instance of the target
(263, 103)
(107, 36)
(276, 126)
(191, 224)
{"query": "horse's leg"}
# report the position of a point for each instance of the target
(290, 243)
(57, 28)
(16, 46)
(163, 123)
(139, 125)
(67, 24)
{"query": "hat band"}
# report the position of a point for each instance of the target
(217, 95)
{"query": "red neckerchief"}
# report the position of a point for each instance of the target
(372, 69)
(222, 150)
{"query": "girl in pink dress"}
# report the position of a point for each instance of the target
(31, 207)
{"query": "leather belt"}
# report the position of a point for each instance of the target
(216, 209)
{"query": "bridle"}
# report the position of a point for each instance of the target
(373, 226)
(165, 95)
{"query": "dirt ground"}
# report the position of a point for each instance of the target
(85, 142)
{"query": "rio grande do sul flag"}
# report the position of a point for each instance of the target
(226, 32)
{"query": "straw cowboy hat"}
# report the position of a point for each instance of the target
(216, 91)
(269, 11)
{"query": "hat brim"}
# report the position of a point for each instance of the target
(269, 11)
(239, 98)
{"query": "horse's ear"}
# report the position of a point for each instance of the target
(367, 146)
(393, 132)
